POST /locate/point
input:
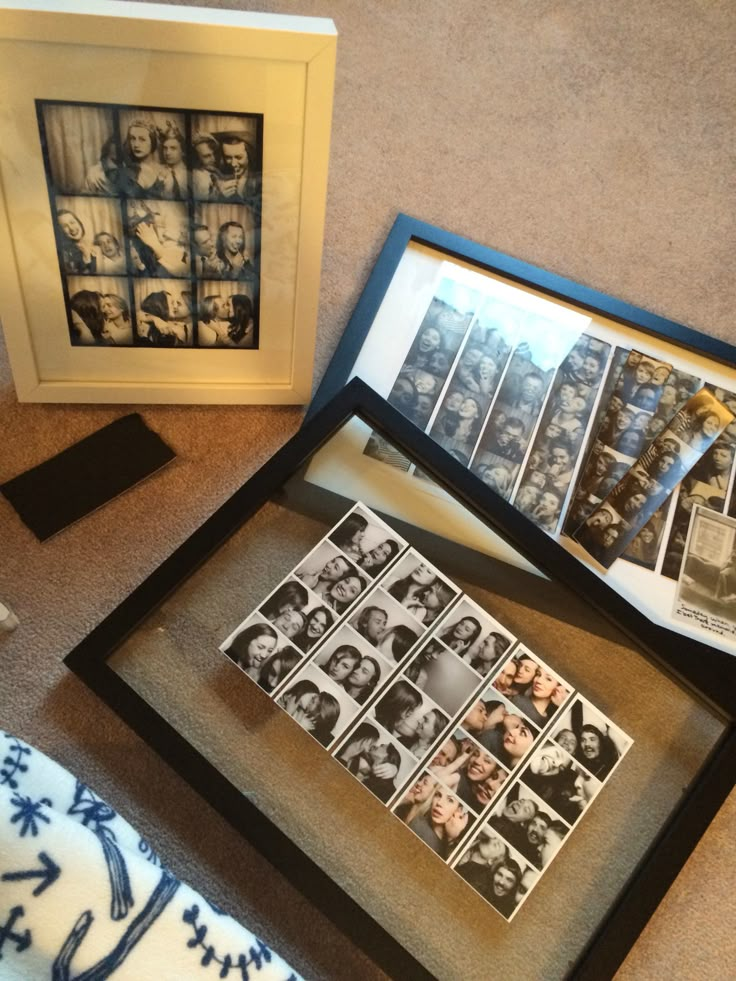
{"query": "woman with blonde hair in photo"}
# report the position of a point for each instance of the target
(118, 328)
(141, 165)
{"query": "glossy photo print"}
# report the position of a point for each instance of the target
(431, 703)
(157, 216)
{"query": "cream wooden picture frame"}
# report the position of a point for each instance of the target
(277, 69)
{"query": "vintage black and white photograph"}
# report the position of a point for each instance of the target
(157, 235)
(387, 625)
(515, 414)
(497, 871)
(472, 771)
(564, 785)
(90, 238)
(420, 588)
(226, 315)
(99, 311)
(550, 465)
(224, 242)
(435, 814)
(158, 194)
(500, 727)
(474, 379)
(163, 312)
(252, 644)
(442, 674)
(375, 759)
(367, 541)
(706, 589)
(354, 664)
(523, 819)
(320, 706)
(531, 687)
(427, 364)
(692, 493)
(324, 567)
(590, 738)
(410, 716)
(708, 484)
(644, 549)
(623, 430)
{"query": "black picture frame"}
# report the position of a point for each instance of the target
(350, 360)
(407, 229)
(707, 673)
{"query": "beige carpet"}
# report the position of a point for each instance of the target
(593, 139)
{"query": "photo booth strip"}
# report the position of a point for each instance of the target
(554, 453)
(634, 400)
(707, 484)
(635, 498)
(318, 689)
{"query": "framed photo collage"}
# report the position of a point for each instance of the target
(476, 744)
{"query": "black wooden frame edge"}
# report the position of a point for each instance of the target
(660, 866)
(642, 893)
(407, 229)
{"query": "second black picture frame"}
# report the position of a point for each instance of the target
(104, 661)
(532, 382)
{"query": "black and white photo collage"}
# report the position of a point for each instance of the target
(506, 391)
(157, 218)
(484, 751)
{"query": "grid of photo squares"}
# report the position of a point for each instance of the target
(157, 217)
(552, 419)
(482, 749)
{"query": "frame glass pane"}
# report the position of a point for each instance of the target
(172, 661)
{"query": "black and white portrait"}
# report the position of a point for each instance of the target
(419, 587)
(99, 311)
(497, 870)
(523, 818)
(590, 738)
(564, 785)
(468, 768)
(407, 713)
(500, 727)
(375, 759)
(367, 541)
(351, 662)
(435, 814)
(319, 705)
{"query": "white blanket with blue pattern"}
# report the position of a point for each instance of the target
(83, 897)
